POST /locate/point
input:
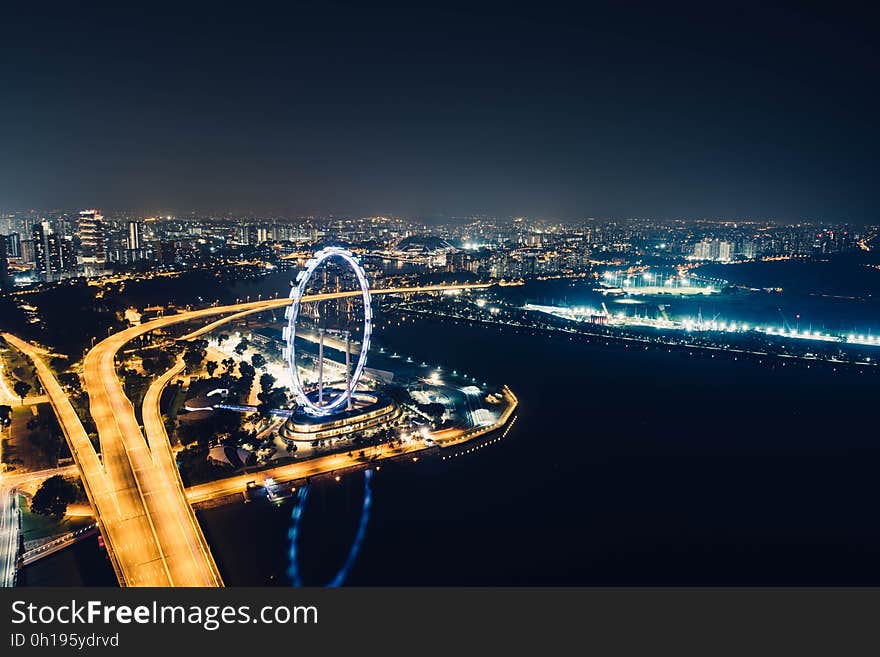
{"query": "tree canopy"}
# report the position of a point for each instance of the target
(22, 388)
(266, 382)
(194, 355)
(53, 497)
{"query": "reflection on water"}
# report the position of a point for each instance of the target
(339, 579)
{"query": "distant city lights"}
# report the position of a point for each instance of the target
(690, 324)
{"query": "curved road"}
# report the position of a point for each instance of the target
(110, 513)
(162, 543)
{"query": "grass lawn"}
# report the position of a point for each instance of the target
(35, 526)
(19, 367)
(20, 451)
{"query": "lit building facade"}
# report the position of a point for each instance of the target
(93, 241)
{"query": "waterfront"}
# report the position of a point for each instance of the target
(607, 478)
(625, 466)
(810, 297)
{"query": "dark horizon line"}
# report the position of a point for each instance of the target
(290, 215)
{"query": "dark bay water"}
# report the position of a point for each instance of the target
(624, 467)
(847, 274)
(82, 564)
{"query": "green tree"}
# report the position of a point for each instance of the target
(258, 361)
(223, 337)
(211, 367)
(22, 388)
(160, 361)
(193, 357)
(434, 409)
(269, 400)
(247, 370)
(242, 346)
(53, 496)
(266, 382)
(187, 432)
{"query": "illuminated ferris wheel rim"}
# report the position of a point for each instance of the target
(296, 294)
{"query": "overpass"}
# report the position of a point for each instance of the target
(57, 544)
(149, 527)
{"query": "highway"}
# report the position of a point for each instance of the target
(57, 544)
(112, 516)
(163, 456)
(30, 481)
(245, 309)
(9, 532)
(164, 544)
(148, 525)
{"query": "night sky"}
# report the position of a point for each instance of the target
(545, 109)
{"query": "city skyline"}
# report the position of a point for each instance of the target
(46, 247)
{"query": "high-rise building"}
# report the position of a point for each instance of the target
(134, 235)
(457, 261)
(28, 252)
(534, 239)
(166, 252)
(67, 249)
(41, 247)
(47, 252)
(4, 266)
(13, 245)
(93, 241)
(253, 235)
(712, 250)
(703, 250)
(280, 232)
